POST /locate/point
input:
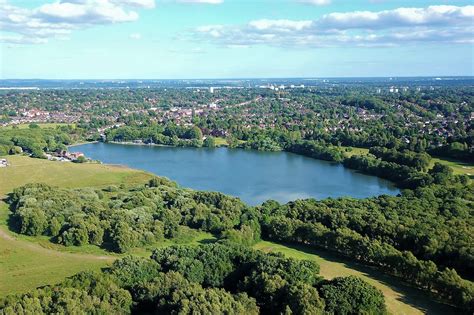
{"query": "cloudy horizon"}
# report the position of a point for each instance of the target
(99, 39)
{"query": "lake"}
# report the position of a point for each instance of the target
(253, 176)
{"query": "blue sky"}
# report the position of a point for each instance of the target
(109, 39)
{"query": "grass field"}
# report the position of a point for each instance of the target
(24, 170)
(27, 262)
(459, 167)
(220, 142)
(25, 265)
(42, 125)
(355, 151)
(400, 298)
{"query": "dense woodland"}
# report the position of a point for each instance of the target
(424, 236)
(36, 141)
(210, 279)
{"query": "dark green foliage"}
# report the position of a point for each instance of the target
(209, 142)
(83, 293)
(317, 151)
(169, 134)
(456, 150)
(419, 161)
(413, 236)
(351, 295)
(231, 279)
(404, 264)
(132, 270)
(36, 141)
(120, 219)
(404, 176)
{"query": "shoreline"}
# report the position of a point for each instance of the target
(81, 143)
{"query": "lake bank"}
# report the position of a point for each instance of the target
(253, 176)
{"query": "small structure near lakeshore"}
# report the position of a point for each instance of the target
(65, 156)
(3, 163)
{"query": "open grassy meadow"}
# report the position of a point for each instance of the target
(28, 262)
(400, 298)
(459, 167)
(41, 125)
(24, 170)
(26, 265)
(355, 151)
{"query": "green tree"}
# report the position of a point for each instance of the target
(209, 142)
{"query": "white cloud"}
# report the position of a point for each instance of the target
(135, 36)
(147, 4)
(448, 24)
(280, 25)
(401, 17)
(315, 2)
(59, 18)
(85, 12)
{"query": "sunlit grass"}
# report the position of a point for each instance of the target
(400, 298)
(41, 125)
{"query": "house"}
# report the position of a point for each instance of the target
(75, 155)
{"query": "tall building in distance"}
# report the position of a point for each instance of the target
(211, 89)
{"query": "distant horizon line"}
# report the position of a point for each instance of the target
(242, 78)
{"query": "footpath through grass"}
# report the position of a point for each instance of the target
(400, 298)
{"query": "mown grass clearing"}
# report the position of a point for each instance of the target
(41, 125)
(28, 262)
(26, 265)
(23, 170)
(350, 151)
(400, 298)
(459, 167)
(220, 141)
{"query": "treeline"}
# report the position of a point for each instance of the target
(317, 150)
(261, 140)
(424, 236)
(35, 140)
(446, 284)
(419, 161)
(209, 279)
(402, 175)
(120, 219)
(169, 134)
(434, 223)
(457, 150)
